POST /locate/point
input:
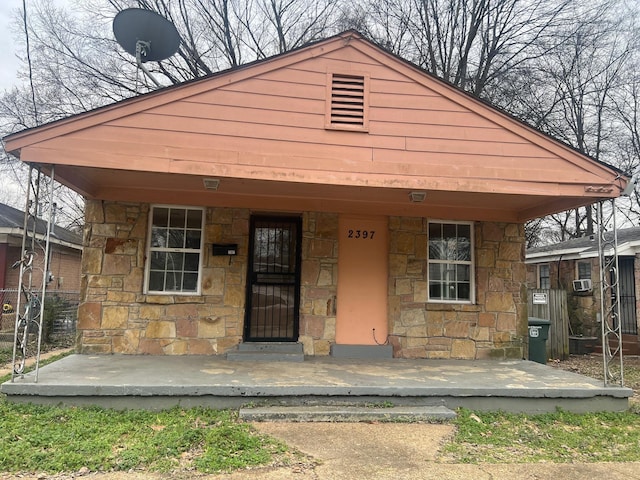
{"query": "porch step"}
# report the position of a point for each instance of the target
(324, 413)
(630, 345)
(267, 352)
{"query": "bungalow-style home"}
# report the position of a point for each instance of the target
(335, 196)
(573, 266)
(64, 256)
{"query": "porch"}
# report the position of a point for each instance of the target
(155, 382)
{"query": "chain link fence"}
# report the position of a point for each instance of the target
(59, 320)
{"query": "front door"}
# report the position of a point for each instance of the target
(273, 280)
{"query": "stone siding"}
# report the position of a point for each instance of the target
(319, 282)
(494, 327)
(116, 317)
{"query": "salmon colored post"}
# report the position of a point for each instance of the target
(362, 279)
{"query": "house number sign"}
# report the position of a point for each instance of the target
(361, 234)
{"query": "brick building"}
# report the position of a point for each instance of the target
(65, 251)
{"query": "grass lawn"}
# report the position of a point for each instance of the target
(557, 437)
(53, 439)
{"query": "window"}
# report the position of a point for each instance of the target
(175, 250)
(584, 270)
(450, 264)
(544, 277)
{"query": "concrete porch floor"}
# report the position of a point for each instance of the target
(155, 382)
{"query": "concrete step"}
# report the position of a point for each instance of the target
(330, 413)
(630, 345)
(267, 352)
(280, 347)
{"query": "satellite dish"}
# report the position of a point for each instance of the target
(146, 35)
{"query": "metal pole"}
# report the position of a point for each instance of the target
(45, 272)
(25, 234)
(611, 324)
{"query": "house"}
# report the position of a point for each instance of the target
(64, 256)
(573, 266)
(334, 196)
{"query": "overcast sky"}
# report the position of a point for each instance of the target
(8, 61)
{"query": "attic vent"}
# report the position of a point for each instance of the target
(348, 102)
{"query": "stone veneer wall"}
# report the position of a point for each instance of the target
(495, 327)
(319, 282)
(116, 317)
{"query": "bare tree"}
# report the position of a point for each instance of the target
(581, 78)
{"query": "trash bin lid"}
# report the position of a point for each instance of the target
(539, 321)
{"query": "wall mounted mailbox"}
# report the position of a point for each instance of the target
(225, 248)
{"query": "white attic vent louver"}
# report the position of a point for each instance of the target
(348, 102)
(211, 183)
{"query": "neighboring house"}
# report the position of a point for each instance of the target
(65, 252)
(335, 195)
(573, 265)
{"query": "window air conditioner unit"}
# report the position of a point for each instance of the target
(583, 285)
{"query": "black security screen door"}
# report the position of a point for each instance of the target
(273, 286)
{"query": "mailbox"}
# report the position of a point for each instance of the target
(225, 249)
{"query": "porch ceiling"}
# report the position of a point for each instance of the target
(155, 187)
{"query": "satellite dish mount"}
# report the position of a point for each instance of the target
(146, 35)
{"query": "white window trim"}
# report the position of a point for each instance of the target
(472, 263)
(587, 262)
(147, 266)
(538, 282)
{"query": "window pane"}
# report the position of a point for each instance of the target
(175, 261)
(463, 250)
(436, 271)
(177, 218)
(158, 260)
(173, 281)
(435, 241)
(193, 239)
(464, 291)
(156, 281)
(176, 239)
(435, 290)
(449, 291)
(584, 270)
(190, 282)
(158, 237)
(191, 262)
(463, 273)
(194, 219)
(160, 217)
(464, 231)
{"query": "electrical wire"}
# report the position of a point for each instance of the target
(26, 36)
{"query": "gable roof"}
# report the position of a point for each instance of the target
(585, 247)
(12, 223)
(261, 129)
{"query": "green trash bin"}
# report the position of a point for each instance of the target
(538, 334)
